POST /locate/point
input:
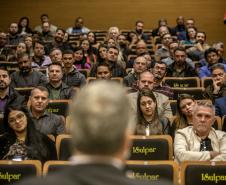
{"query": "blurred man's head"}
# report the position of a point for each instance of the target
(159, 70)
(4, 79)
(140, 64)
(112, 54)
(24, 63)
(103, 128)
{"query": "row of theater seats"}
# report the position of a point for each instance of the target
(188, 173)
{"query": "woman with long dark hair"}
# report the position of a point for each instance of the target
(80, 60)
(21, 141)
(23, 26)
(148, 121)
(185, 106)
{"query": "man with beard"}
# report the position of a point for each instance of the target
(46, 35)
(40, 60)
(79, 27)
(57, 89)
(146, 81)
(197, 52)
(8, 96)
(123, 50)
(140, 65)
(159, 72)
(13, 36)
(26, 76)
(139, 30)
(58, 42)
(72, 77)
(180, 68)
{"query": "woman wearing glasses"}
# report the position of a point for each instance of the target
(21, 141)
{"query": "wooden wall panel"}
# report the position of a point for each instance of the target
(100, 14)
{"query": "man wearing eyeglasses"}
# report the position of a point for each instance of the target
(200, 142)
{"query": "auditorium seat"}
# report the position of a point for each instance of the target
(157, 172)
(15, 171)
(63, 142)
(155, 147)
(202, 172)
(53, 166)
(184, 82)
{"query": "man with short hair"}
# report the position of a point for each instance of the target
(139, 65)
(46, 35)
(58, 42)
(163, 52)
(200, 142)
(78, 27)
(103, 71)
(8, 95)
(40, 60)
(218, 88)
(13, 36)
(26, 76)
(212, 57)
(100, 142)
(56, 87)
(197, 52)
(72, 77)
(159, 72)
(112, 56)
(139, 30)
(180, 68)
(146, 81)
(45, 122)
(45, 18)
(56, 55)
(4, 51)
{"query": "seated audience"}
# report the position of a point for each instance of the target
(21, 141)
(44, 121)
(218, 88)
(200, 142)
(146, 81)
(80, 60)
(148, 120)
(78, 27)
(26, 76)
(14, 37)
(184, 112)
(139, 65)
(103, 71)
(159, 72)
(56, 87)
(212, 57)
(45, 18)
(23, 26)
(72, 77)
(180, 68)
(40, 60)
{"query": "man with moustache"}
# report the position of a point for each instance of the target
(159, 72)
(139, 30)
(180, 68)
(58, 42)
(8, 96)
(26, 76)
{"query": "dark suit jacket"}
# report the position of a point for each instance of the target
(220, 105)
(87, 174)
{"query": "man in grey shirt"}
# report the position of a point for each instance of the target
(45, 122)
(26, 76)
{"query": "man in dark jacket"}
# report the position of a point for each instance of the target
(8, 96)
(56, 87)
